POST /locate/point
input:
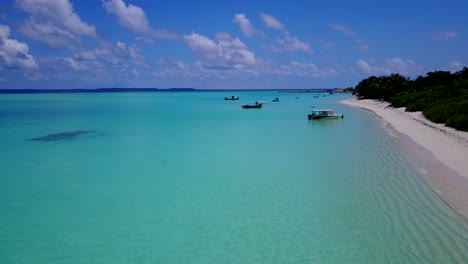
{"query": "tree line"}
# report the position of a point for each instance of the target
(442, 96)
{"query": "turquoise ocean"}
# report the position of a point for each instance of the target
(187, 177)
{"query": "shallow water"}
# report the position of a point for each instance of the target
(187, 177)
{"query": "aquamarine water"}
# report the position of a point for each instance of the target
(186, 177)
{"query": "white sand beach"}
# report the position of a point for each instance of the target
(445, 163)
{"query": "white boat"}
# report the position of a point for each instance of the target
(318, 114)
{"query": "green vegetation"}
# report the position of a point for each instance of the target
(348, 90)
(441, 96)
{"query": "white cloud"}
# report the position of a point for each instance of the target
(167, 68)
(53, 23)
(90, 55)
(202, 45)
(59, 12)
(455, 66)
(34, 76)
(303, 69)
(343, 29)
(120, 57)
(134, 18)
(14, 54)
(364, 65)
(271, 22)
(290, 44)
(118, 65)
(51, 35)
(392, 65)
(130, 16)
(72, 63)
(136, 74)
(121, 45)
(245, 25)
(362, 45)
(398, 63)
(294, 44)
(445, 35)
(326, 45)
(223, 52)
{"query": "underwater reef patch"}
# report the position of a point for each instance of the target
(62, 135)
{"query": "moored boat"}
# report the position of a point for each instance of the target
(232, 98)
(256, 105)
(318, 114)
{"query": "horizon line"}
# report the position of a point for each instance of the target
(104, 90)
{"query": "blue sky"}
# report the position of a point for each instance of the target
(236, 44)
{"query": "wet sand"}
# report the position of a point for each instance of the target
(439, 152)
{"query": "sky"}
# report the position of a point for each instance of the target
(235, 44)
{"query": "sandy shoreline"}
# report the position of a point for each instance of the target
(447, 171)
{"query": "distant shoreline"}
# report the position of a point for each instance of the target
(139, 90)
(442, 154)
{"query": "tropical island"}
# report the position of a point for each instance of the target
(441, 96)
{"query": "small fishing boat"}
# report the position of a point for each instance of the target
(232, 98)
(318, 114)
(256, 105)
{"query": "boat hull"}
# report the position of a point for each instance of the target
(252, 106)
(312, 117)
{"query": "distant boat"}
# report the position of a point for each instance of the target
(232, 98)
(256, 105)
(275, 100)
(318, 114)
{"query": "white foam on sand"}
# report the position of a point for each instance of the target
(447, 145)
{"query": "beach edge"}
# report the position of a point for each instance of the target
(447, 146)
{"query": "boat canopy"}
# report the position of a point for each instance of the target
(323, 112)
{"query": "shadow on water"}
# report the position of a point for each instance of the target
(325, 122)
(62, 135)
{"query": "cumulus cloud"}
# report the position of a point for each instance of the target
(118, 65)
(271, 22)
(168, 68)
(53, 23)
(222, 52)
(14, 54)
(245, 25)
(120, 57)
(290, 44)
(392, 65)
(134, 18)
(130, 16)
(294, 44)
(51, 35)
(343, 29)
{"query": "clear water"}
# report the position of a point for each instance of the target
(191, 178)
